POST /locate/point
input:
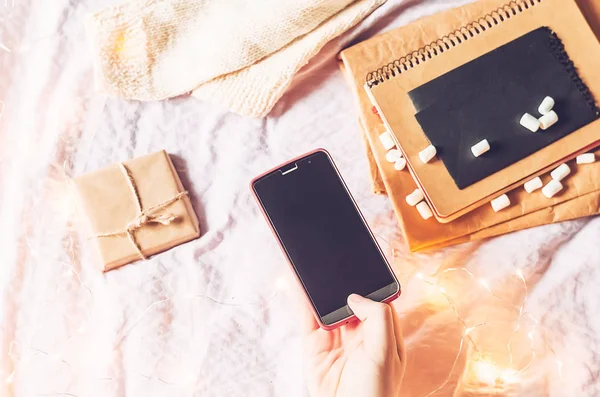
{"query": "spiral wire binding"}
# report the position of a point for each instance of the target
(449, 41)
(558, 49)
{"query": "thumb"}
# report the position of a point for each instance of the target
(378, 327)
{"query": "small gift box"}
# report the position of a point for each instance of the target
(136, 209)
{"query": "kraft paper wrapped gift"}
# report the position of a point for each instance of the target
(136, 209)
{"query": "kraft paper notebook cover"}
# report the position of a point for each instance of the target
(389, 85)
(582, 191)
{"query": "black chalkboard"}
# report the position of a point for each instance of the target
(485, 99)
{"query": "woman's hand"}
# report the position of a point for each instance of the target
(362, 359)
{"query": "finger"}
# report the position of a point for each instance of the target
(378, 327)
(352, 334)
(351, 330)
(399, 336)
(309, 323)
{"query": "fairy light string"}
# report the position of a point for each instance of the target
(487, 371)
(19, 360)
(484, 369)
(22, 354)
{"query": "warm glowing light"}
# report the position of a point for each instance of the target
(482, 372)
(119, 43)
(484, 284)
(509, 375)
(281, 284)
(434, 295)
(559, 364)
(491, 374)
(486, 372)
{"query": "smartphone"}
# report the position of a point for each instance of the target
(326, 240)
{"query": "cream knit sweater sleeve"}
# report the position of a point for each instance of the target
(156, 49)
(254, 90)
(239, 53)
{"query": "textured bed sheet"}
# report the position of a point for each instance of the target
(215, 317)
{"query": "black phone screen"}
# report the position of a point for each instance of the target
(323, 233)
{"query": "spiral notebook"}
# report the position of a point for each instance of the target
(580, 198)
(434, 94)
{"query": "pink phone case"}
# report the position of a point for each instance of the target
(313, 309)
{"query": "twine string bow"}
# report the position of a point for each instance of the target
(144, 217)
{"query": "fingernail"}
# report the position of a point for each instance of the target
(355, 298)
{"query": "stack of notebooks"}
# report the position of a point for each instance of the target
(455, 78)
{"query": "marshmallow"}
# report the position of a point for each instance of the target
(586, 158)
(480, 148)
(552, 188)
(560, 173)
(533, 185)
(427, 154)
(546, 105)
(400, 164)
(424, 210)
(500, 203)
(393, 155)
(530, 122)
(387, 141)
(415, 197)
(548, 120)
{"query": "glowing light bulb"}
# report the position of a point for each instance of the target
(442, 290)
(490, 374)
(419, 275)
(485, 372)
(10, 378)
(468, 331)
(520, 274)
(531, 335)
